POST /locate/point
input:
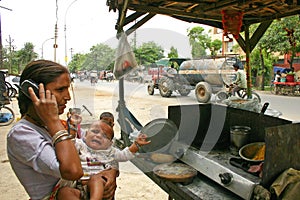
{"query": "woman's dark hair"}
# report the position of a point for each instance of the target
(39, 71)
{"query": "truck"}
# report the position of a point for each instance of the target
(206, 76)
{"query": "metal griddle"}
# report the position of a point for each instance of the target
(161, 132)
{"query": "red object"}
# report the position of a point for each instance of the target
(126, 64)
(287, 83)
(290, 78)
(232, 22)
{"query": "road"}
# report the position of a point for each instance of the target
(134, 93)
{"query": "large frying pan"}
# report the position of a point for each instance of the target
(162, 132)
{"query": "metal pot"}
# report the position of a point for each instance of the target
(239, 136)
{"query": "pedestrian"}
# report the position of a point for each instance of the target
(41, 152)
(97, 154)
(277, 76)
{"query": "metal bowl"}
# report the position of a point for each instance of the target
(254, 152)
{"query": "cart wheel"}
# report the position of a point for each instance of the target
(203, 92)
(150, 89)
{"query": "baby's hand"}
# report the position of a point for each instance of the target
(142, 139)
(75, 118)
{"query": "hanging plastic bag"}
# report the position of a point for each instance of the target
(125, 59)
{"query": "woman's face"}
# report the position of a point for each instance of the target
(60, 88)
(97, 137)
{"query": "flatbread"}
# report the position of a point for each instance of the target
(176, 172)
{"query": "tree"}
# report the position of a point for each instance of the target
(17, 60)
(214, 46)
(76, 63)
(198, 40)
(99, 58)
(173, 53)
(283, 36)
(148, 53)
(261, 64)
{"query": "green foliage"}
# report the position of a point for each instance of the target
(148, 53)
(99, 58)
(76, 63)
(173, 53)
(198, 40)
(214, 46)
(15, 61)
(275, 39)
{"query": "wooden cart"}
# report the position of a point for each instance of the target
(286, 88)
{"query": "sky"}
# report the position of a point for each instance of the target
(87, 23)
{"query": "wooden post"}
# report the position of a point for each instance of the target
(248, 68)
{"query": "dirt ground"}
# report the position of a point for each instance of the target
(132, 183)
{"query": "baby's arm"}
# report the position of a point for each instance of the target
(140, 141)
(128, 153)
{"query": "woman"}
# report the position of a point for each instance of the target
(39, 149)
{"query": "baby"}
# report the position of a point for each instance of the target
(97, 153)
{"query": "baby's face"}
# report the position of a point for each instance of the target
(98, 136)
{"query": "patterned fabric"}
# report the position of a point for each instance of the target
(94, 161)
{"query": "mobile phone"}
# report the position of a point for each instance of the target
(29, 83)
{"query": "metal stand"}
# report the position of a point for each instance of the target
(126, 119)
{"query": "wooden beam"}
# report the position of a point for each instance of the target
(259, 32)
(122, 16)
(139, 24)
(242, 43)
(133, 17)
(171, 12)
(200, 21)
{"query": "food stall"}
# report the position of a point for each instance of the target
(198, 135)
(204, 144)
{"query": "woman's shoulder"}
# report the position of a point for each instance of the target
(25, 128)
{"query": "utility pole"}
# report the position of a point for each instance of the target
(65, 29)
(55, 32)
(55, 42)
(1, 46)
(72, 51)
(11, 48)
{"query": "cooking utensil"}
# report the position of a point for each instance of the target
(161, 132)
(239, 136)
(254, 152)
(264, 108)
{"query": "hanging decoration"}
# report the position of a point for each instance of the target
(232, 22)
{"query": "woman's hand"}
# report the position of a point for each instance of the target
(110, 186)
(75, 118)
(46, 108)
